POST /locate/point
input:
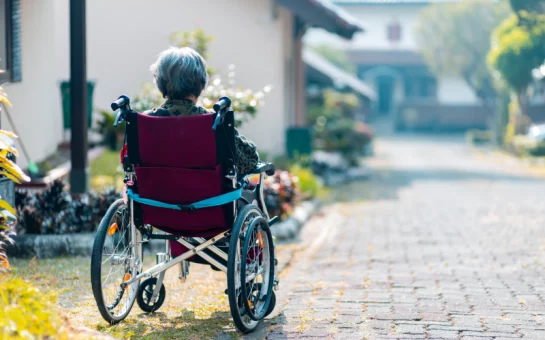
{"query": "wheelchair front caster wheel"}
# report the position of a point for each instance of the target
(145, 293)
(272, 303)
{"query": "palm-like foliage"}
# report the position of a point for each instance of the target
(10, 170)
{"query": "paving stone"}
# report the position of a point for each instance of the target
(491, 334)
(441, 334)
(409, 329)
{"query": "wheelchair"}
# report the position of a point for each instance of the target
(182, 187)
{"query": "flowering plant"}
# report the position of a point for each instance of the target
(281, 192)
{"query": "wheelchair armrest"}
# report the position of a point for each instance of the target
(267, 168)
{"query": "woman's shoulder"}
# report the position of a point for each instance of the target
(157, 112)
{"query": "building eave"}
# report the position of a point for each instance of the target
(336, 75)
(324, 14)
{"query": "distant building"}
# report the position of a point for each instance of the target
(388, 60)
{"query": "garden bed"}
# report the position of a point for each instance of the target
(54, 223)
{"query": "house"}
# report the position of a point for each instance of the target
(388, 60)
(263, 38)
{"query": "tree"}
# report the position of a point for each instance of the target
(336, 57)
(454, 39)
(528, 5)
(519, 48)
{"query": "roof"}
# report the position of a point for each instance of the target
(324, 14)
(381, 57)
(391, 2)
(337, 76)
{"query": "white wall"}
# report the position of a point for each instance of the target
(452, 90)
(124, 38)
(121, 50)
(36, 100)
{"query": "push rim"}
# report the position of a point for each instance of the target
(118, 264)
(238, 308)
(255, 273)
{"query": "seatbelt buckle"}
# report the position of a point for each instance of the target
(186, 208)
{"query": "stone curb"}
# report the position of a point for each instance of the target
(289, 228)
(50, 246)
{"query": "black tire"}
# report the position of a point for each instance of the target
(96, 268)
(145, 292)
(242, 321)
(272, 304)
(257, 308)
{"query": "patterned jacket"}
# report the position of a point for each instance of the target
(246, 151)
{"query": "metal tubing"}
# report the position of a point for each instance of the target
(164, 266)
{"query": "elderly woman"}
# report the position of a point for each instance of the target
(180, 74)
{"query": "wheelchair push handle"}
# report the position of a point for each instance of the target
(122, 104)
(222, 104)
(122, 101)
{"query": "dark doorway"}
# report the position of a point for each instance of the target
(385, 86)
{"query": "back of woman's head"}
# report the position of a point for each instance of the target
(180, 73)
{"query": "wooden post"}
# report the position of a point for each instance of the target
(300, 81)
(79, 174)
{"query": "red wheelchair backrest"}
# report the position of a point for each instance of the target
(177, 142)
(181, 160)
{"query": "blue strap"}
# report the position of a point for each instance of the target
(207, 203)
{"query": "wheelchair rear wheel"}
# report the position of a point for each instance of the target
(116, 258)
(250, 269)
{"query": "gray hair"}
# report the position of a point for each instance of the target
(180, 73)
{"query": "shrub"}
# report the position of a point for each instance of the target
(27, 313)
(8, 169)
(345, 136)
(309, 185)
(111, 136)
(479, 136)
(56, 211)
(524, 146)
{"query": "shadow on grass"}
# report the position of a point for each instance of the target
(185, 326)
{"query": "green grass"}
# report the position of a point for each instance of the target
(196, 309)
(106, 171)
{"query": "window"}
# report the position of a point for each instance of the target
(420, 87)
(394, 32)
(10, 46)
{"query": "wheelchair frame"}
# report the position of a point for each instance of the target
(160, 268)
(195, 246)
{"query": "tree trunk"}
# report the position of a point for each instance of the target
(521, 119)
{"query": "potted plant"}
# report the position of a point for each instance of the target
(111, 136)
